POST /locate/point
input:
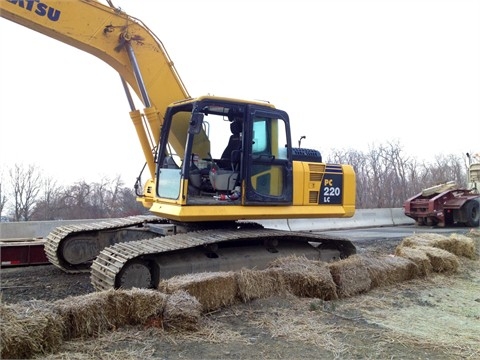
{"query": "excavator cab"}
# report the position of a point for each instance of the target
(235, 160)
(225, 147)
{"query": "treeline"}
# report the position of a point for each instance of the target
(28, 196)
(386, 177)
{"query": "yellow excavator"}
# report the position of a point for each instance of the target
(215, 165)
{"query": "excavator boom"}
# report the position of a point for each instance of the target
(120, 40)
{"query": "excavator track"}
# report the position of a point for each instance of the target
(140, 263)
(80, 240)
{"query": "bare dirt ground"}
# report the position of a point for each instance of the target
(432, 318)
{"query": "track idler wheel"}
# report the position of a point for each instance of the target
(137, 274)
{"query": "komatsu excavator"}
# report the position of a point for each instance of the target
(215, 166)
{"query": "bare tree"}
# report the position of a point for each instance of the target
(127, 205)
(49, 207)
(111, 199)
(386, 177)
(394, 178)
(102, 197)
(359, 164)
(26, 184)
(76, 203)
(3, 198)
(105, 199)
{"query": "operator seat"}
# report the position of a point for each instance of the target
(231, 154)
(225, 177)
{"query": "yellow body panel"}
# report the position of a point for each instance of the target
(239, 212)
(307, 186)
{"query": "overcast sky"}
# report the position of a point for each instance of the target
(351, 74)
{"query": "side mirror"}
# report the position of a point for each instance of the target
(195, 123)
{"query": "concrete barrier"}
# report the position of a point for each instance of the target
(33, 229)
(362, 218)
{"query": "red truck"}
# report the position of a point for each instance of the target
(447, 204)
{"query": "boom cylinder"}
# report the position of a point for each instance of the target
(136, 117)
(154, 121)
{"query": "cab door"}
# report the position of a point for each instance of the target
(268, 165)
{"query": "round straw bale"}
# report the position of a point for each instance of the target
(28, 329)
(182, 311)
(419, 257)
(389, 269)
(350, 275)
(306, 278)
(256, 284)
(441, 260)
(213, 290)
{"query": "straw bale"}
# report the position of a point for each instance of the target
(28, 329)
(91, 314)
(426, 239)
(142, 304)
(389, 269)
(474, 232)
(460, 245)
(213, 290)
(351, 276)
(306, 278)
(457, 244)
(259, 284)
(182, 311)
(84, 315)
(419, 257)
(441, 260)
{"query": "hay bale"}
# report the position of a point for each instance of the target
(83, 315)
(213, 290)
(350, 275)
(426, 239)
(91, 314)
(141, 305)
(182, 311)
(306, 278)
(441, 260)
(28, 329)
(389, 269)
(259, 284)
(475, 233)
(457, 244)
(460, 245)
(417, 256)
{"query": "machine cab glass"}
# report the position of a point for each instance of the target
(224, 152)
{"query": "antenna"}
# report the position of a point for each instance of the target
(300, 140)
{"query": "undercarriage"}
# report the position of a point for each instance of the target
(140, 251)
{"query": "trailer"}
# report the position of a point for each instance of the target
(22, 252)
(447, 204)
